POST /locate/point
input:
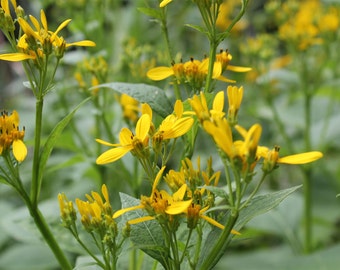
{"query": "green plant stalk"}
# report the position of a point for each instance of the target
(211, 261)
(35, 186)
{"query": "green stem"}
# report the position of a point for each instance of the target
(307, 196)
(36, 174)
(49, 238)
(211, 260)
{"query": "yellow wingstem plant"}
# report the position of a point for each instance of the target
(191, 157)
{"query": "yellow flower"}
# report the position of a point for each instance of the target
(222, 135)
(164, 3)
(235, 95)
(130, 107)
(128, 142)
(200, 107)
(34, 43)
(160, 204)
(174, 125)
(67, 212)
(10, 135)
(192, 72)
(95, 210)
(224, 57)
(194, 213)
(271, 158)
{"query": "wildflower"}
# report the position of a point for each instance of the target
(224, 57)
(194, 213)
(6, 20)
(235, 95)
(10, 135)
(35, 43)
(130, 107)
(200, 107)
(164, 3)
(95, 212)
(173, 126)
(67, 212)
(192, 72)
(271, 158)
(128, 142)
(160, 204)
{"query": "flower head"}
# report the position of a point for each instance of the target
(10, 135)
(39, 40)
(271, 158)
(136, 143)
(160, 204)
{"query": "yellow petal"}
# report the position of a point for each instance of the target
(124, 210)
(113, 154)
(125, 136)
(302, 158)
(164, 3)
(178, 207)
(160, 73)
(141, 219)
(83, 43)
(105, 193)
(156, 181)
(218, 103)
(217, 224)
(43, 20)
(143, 127)
(106, 143)
(5, 7)
(179, 194)
(15, 57)
(238, 69)
(61, 26)
(19, 150)
(179, 128)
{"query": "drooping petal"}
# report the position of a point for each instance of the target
(302, 158)
(113, 154)
(140, 220)
(82, 43)
(217, 224)
(124, 210)
(5, 7)
(238, 69)
(160, 73)
(15, 57)
(106, 143)
(19, 150)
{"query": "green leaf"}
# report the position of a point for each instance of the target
(154, 13)
(258, 205)
(144, 93)
(198, 28)
(52, 139)
(147, 236)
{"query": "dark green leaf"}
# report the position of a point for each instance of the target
(52, 139)
(144, 93)
(258, 205)
(154, 13)
(147, 236)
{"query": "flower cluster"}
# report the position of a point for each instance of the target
(173, 126)
(194, 72)
(11, 136)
